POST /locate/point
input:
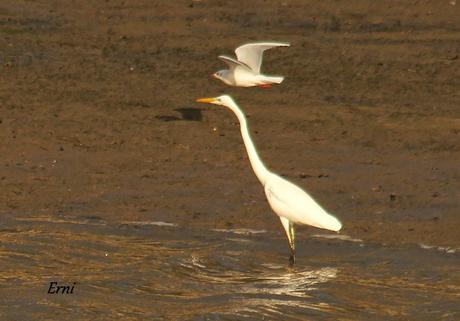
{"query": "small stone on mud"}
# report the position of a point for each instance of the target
(392, 196)
(303, 175)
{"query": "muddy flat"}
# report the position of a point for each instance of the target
(112, 177)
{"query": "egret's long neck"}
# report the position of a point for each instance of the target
(257, 165)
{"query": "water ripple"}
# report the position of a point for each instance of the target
(143, 270)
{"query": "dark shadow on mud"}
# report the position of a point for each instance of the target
(167, 118)
(190, 114)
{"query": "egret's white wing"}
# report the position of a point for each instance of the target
(232, 63)
(290, 201)
(251, 53)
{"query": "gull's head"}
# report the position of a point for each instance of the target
(219, 74)
(223, 75)
(224, 100)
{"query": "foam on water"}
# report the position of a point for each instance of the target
(341, 237)
(444, 249)
(154, 223)
(240, 231)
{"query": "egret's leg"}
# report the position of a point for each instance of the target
(292, 243)
(289, 228)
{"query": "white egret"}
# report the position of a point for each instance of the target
(288, 201)
(245, 71)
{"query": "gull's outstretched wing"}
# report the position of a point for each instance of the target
(251, 53)
(232, 63)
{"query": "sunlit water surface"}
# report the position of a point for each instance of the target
(164, 271)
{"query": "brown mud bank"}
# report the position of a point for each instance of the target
(98, 116)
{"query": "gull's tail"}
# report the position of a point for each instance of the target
(272, 79)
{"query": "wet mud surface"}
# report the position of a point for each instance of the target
(98, 124)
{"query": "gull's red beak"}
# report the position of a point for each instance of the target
(213, 76)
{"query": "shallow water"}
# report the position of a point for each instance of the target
(164, 271)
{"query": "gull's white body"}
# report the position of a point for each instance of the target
(245, 71)
(292, 204)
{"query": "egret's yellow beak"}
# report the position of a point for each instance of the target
(205, 100)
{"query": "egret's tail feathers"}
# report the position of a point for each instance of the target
(331, 223)
(325, 221)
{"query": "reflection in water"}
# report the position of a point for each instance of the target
(277, 292)
(269, 290)
(158, 270)
(279, 280)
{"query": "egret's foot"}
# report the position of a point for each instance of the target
(292, 257)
